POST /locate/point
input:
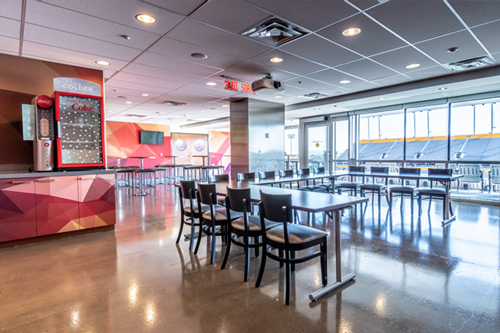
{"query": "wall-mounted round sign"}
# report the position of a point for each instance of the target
(317, 144)
(181, 144)
(199, 145)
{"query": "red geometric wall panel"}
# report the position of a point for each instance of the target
(124, 140)
(97, 201)
(220, 149)
(56, 205)
(17, 209)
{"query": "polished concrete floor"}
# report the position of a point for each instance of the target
(412, 276)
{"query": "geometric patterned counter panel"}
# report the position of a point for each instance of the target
(17, 209)
(56, 205)
(97, 201)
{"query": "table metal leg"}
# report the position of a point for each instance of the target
(446, 203)
(338, 259)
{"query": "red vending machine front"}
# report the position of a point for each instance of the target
(80, 131)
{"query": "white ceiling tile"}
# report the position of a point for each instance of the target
(181, 50)
(184, 7)
(400, 58)
(320, 50)
(160, 61)
(124, 12)
(54, 17)
(308, 84)
(232, 15)
(9, 45)
(373, 38)
(366, 69)
(56, 54)
(258, 71)
(488, 35)
(425, 73)
(114, 83)
(290, 62)
(147, 80)
(437, 48)
(334, 77)
(310, 15)
(478, 11)
(416, 20)
(82, 44)
(158, 73)
(204, 35)
(10, 28)
(11, 9)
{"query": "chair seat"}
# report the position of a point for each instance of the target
(373, 187)
(432, 191)
(220, 213)
(204, 208)
(403, 189)
(253, 223)
(297, 234)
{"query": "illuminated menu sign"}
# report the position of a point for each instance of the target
(238, 86)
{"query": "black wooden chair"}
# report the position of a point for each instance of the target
(189, 212)
(379, 189)
(437, 193)
(288, 238)
(221, 200)
(214, 221)
(267, 175)
(328, 186)
(286, 173)
(404, 190)
(352, 186)
(244, 228)
(245, 176)
(314, 188)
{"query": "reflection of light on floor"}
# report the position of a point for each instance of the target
(133, 292)
(160, 242)
(380, 304)
(344, 327)
(75, 317)
(150, 313)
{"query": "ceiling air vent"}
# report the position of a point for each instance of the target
(274, 32)
(172, 103)
(469, 64)
(314, 95)
(136, 115)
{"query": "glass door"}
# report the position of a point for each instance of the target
(318, 137)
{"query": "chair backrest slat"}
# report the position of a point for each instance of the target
(188, 188)
(356, 168)
(272, 207)
(304, 172)
(433, 171)
(218, 178)
(245, 176)
(320, 170)
(286, 173)
(207, 193)
(267, 175)
(379, 169)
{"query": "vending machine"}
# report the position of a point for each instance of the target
(43, 145)
(80, 131)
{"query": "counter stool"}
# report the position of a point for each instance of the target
(192, 172)
(124, 176)
(161, 170)
(207, 171)
(145, 179)
(179, 171)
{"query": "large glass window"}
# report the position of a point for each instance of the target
(496, 118)
(292, 141)
(381, 136)
(427, 133)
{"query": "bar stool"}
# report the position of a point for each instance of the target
(161, 169)
(179, 171)
(205, 171)
(191, 172)
(145, 179)
(126, 176)
(286, 173)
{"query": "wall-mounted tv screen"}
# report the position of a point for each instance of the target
(151, 138)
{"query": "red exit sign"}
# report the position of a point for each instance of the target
(238, 86)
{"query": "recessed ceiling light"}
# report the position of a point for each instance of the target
(122, 96)
(351, 32)
(145, 18)
(345, 81)
(381, 98)
(202, 111)
(211, 84)
(413, 66)
(145, 95)
(198, 55)
(442, 88)
(102, 63)
(225, 105)
(316, 109)
(275, 59)
(128, 102)
(278, 96)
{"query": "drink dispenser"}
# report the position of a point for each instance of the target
(43, 146)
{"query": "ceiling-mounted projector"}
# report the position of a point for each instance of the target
(267, 83)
